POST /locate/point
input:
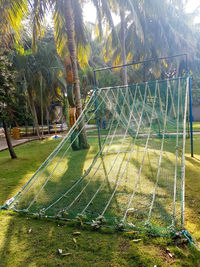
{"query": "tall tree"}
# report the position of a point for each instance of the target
(163, 25)
(7, 97)
(69, 31)
(40, 74)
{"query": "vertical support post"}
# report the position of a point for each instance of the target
(144, 72)
(96, 106)
(55, 129)
(42, 117)
(191, 117)
(186, 63)
(183, 156)
(187, 73)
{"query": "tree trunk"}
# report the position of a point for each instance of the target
(48, 123)
(8, 140)
(123, 46)
(65, 109)
(72, 52)
(33, 110)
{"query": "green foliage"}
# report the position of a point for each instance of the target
(40, 72)
(167, 30)
(7, 89)
(108, 78)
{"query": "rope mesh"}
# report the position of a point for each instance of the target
(136, 180)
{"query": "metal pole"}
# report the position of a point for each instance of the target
(96, 106)
(42, 117)
(191, 117)
(186, 63)
(144, 72)
(141, 62)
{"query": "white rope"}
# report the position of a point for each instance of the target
(176, 164)
(132, 149)
(160, 158)
(133, 100)
(125, 117)
(50, 175)
(119, 115)
(101, 186)
(56, 151)
(152, 104)
(142, 101)
(172, 99)
(106, 177)
(90, 179)
(145, 151)
(183, 155)
(92, 165)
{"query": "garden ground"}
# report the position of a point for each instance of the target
(25, 241)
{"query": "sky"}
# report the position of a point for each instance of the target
(192, 4)
(89, 12)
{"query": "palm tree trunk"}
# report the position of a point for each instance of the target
(123, 46)
(72, 52)
(8, 140)
(34, 113)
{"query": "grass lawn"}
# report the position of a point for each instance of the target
(196, 126)
(25, 241)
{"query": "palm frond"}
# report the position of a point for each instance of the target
(108, 16)
(99, 17)
(38, 10)
(12, 13)
(138, 26)
(78, 22)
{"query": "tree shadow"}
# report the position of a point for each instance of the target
(16, 170)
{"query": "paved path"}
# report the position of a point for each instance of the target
(17, 142)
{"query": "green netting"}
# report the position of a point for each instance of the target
(136, 180)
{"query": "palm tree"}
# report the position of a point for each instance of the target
(124, 10)
(69, 31)
(162, 25)
(24, 63)
(39, 73)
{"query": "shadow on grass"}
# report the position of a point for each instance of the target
(15, 173)
(22, 247)
(82, 192)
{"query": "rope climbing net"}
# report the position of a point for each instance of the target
(136, 178)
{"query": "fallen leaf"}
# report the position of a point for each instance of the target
(67, 254)
(132, 232)
(60, 251)
(74, 239)
(76, 233)
(136, 240)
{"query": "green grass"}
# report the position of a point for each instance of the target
(196, 126)
(20, 246)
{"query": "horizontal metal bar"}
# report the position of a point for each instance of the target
(141, 62)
